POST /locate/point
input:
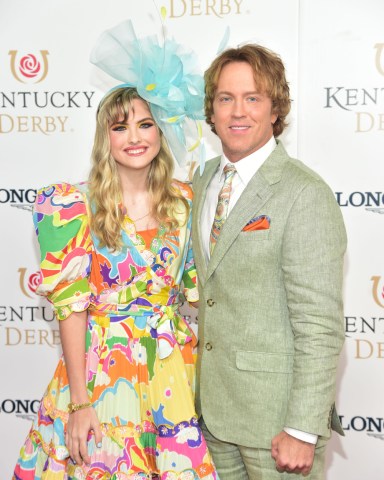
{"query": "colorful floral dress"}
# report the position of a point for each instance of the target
(139, 360)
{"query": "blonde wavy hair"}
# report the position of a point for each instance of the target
(106, 216)
(269, 74)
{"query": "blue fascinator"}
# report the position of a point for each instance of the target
(165, 76)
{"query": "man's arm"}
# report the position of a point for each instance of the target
(312, 261)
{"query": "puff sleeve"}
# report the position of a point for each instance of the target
(61, 223)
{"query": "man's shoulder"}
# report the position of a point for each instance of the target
(302, 171)
(209, 168)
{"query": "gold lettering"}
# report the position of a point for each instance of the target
(5, 117)
(50, 124)
(36, 125)
(179, 8)
(13, 336)
(225, 7)
(29, 337)
(381, 121)
(368, 125)
(380, 349)
(22, 124)
(368, 350)
(238, 5)
(212, 7)
(56, 337)
(62, 121)
(195, 7)
(366, 122)
(172, 14)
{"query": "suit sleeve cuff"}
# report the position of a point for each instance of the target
(304, 436)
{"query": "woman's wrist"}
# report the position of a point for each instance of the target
(75, 407)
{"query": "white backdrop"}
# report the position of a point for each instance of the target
(334, 55)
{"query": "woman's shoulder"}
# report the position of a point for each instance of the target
(62, 195)
(185, 188)
(71, 192)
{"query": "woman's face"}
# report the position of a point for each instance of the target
(135, 142)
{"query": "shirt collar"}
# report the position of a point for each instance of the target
(248, 166)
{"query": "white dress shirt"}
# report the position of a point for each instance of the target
(245, 170)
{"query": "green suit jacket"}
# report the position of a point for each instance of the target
(270, 316)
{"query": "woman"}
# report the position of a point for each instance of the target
(114, 253)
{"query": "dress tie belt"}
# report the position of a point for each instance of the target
(171, 327)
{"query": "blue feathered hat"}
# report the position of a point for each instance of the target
(166, 76)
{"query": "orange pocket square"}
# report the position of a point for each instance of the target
(258, 223)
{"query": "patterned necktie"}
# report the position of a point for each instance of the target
(222, 205)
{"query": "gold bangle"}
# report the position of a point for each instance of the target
(74, 407)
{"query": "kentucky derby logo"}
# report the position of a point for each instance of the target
(28, 68)
(29, 283)
(378, 291)
(379, 57)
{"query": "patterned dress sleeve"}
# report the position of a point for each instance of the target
(61, 223)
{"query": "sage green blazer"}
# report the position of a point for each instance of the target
(271, 315)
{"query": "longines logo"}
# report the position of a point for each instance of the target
(23, 198)
(372, 426)
(197, 8)
(26, 409)
(371, 201)
(364, 102)
(363, 333)
(28, 69)
(32, 68)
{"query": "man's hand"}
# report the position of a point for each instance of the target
(291, 454)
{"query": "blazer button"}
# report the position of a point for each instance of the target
(210, 302)
(208, 346)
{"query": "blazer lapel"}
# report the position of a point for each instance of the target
(200, 186)
(255, 195)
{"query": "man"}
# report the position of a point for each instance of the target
(269, 256)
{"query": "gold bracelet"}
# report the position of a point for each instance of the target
(74, 407)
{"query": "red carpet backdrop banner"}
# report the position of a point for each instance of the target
(49, 92)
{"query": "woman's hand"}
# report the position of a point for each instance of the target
(80, 422)
(78, 427)
(194, 304)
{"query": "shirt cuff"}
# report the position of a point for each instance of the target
(304, 436)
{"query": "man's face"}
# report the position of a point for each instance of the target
(242, 113)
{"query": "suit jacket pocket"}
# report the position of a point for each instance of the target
(254, 235)
(264, 362)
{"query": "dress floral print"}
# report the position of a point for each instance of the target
(139, 349)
